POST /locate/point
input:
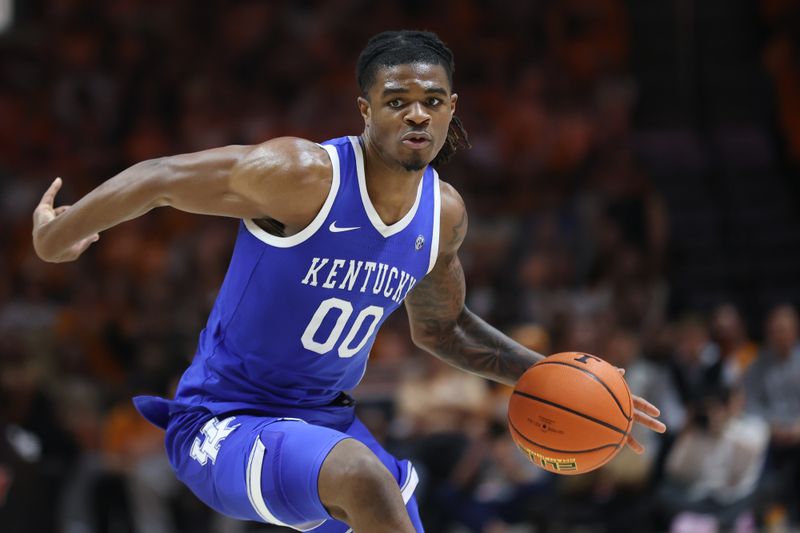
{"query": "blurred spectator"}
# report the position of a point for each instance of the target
(443, 400)
(133, 449)
(773, 382)
(690, 362)
(773, 393)
(714, 466)
(732, 352)
(36, 453)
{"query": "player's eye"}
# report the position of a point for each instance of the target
(395, 104)
(433, 101)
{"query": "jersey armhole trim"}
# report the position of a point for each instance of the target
(311, 229)
(437, 206)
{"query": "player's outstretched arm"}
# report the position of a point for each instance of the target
(286, 179)
(442, 325)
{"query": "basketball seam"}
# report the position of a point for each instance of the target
(514, 427)
(565, 408)
(596, 378)
(627, 433)
(610, 456)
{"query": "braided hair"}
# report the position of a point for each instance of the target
(392, 48)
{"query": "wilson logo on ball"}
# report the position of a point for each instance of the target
(558, 465)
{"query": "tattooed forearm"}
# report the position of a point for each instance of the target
(472, 344)
(443, 326)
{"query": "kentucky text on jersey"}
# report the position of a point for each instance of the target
(388, 280)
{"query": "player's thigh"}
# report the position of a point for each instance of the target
(256, 468)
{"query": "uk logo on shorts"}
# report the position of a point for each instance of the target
(214, 432)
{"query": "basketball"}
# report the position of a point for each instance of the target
(570, 413)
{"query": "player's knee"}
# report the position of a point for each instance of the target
(353, 479)
(367, 476)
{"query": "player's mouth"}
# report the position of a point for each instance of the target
(417, 140)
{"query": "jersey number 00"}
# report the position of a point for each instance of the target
(349, 346)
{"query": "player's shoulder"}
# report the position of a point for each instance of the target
(453, 218)
(289, 177)
(291, 156)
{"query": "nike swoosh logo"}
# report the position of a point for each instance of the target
(336, 229)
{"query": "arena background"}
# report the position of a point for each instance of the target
(633, 191)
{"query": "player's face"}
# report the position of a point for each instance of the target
(407, 113)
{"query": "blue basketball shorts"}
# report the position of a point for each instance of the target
(267, 469)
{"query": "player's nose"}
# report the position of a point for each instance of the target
(417, 114)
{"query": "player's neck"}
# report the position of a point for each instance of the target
(392, 189)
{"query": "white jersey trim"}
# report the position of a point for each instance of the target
(308, 231)
(410, 485)
(254, 494)
(383, 229)
(437, 208)
(254, 465)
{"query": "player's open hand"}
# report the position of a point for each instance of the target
(43, 215)
(644, 413)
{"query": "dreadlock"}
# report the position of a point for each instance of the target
(392, 48)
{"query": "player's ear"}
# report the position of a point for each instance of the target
(364, 108)
(453, 100)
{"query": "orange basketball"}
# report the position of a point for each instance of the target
(570, 413)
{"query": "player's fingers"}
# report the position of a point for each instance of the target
(49, 195)
(42, 215)
(60, 209)
(645, 406)
(648, 421)
(635, 445)
(621, 370)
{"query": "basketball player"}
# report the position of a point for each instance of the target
(333, 238)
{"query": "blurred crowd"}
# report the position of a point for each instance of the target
(567, 250)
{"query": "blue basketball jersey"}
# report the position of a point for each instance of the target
(296, 316)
